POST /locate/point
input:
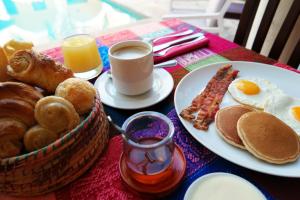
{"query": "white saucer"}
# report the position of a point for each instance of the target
(162, 87)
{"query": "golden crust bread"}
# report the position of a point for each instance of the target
(10, 126)
(17, 109)
(11, 135)
(37, 69)
(38, 137)
(12, 46)
(19, 91)
(79, 92)
(268, 138)
(226, 122)
(3, 66)
(56, 114)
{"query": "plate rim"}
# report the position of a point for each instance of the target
(159, 70)
(230, 160)
(212, 174)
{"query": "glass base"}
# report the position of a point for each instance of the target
(162, 188)
(89, 74)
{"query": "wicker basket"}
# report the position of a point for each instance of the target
(59, 163)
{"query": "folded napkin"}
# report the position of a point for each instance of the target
(178, 50)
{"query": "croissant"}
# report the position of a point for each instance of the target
(11, 135)
(38, 137)
(12, 46)
(17, 109)
(3, 64)
(19, 91)
(56, 114)
(37, 69)
(80, 93)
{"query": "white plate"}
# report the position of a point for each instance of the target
(201, 180)
(162, 86)
(194, 82)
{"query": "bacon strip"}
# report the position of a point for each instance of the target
(207, 103)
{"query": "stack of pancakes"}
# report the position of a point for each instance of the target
(262, 134)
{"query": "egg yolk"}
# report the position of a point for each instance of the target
(296, 112)
(247, 87)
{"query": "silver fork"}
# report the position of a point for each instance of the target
(163, 52)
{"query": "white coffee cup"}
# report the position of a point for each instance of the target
(131, 66)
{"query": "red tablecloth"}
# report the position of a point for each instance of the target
(103, 180)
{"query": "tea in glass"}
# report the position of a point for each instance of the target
(151, 161)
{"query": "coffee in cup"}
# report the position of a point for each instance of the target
(131, 67)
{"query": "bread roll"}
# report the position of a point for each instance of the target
(56, 114)
(79, 92)
(37, 69)
(38, 137)
(11, 135)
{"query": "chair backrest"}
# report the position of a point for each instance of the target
(272, 28)
(217, 6)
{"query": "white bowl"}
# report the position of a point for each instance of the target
(222, 186)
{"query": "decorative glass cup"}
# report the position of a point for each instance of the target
(81, 55)
(151, 162)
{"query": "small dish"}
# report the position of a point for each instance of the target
(219, 185)
(162, 87)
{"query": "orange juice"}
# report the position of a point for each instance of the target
(81, 53)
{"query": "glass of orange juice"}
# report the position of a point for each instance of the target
(81, 55)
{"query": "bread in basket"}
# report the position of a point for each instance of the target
(59, 163)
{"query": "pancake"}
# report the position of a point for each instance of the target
(226, 122)
(268, 138)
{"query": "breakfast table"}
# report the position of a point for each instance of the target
(103, 180)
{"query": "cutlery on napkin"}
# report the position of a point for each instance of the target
(164, 51)
(178, 48)
(177, 41)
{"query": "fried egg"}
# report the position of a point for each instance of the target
(285, 108)
(252, 91)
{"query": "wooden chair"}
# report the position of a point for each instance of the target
(271, 28)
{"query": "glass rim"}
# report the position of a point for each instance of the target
(154, 114)
(77, 34)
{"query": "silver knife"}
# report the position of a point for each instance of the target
(164, 51)
(180, 40)
(184, 33)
